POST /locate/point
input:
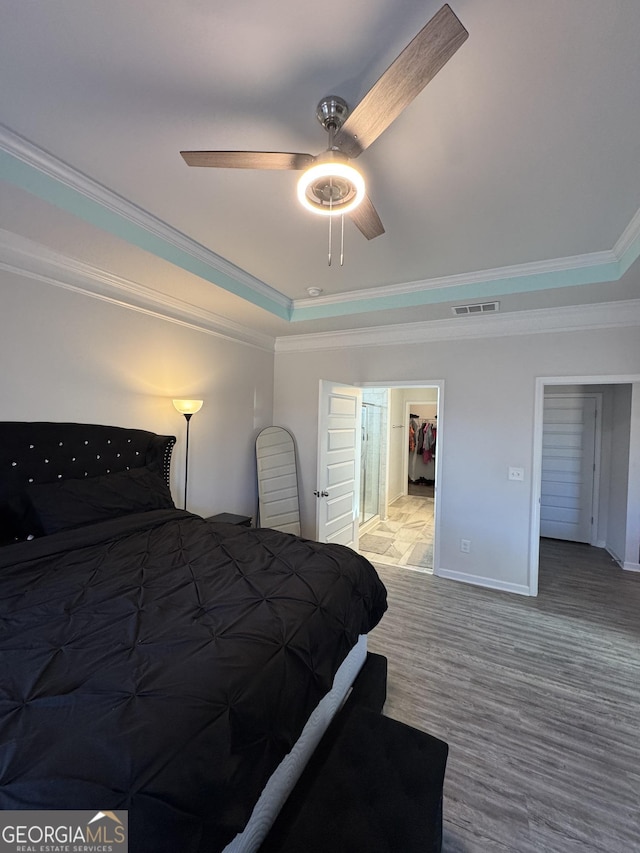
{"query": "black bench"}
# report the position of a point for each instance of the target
(373, 785)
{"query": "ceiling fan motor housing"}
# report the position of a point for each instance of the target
(332, 112)
(331, 191)
(331, 185)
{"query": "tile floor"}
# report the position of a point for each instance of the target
(405, 538)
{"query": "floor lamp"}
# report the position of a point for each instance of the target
(187, 408)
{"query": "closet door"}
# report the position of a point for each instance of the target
(568, 467)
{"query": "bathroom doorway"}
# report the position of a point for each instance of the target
(401, 529)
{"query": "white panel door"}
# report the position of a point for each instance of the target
(337, 490)
(568, 467)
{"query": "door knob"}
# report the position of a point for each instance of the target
(321, 494)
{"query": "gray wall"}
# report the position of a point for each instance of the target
(486, 424)
(67, 356)
(619, 483)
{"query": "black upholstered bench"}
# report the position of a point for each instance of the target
(376, 787)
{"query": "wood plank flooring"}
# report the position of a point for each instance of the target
(538, 698)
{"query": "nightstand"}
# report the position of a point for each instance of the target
(231, 518)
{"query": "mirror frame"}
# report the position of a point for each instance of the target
(276, 460)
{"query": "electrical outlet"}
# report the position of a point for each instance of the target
(465, 546)
(516, 473)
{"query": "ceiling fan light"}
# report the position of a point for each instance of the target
(331, 188)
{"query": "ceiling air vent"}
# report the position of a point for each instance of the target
(477, 308)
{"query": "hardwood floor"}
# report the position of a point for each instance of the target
(538, 698)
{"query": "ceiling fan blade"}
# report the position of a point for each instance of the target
(366, 219)
(403, 80)
(248, 159)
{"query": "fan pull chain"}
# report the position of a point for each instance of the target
(329, 253)
(330, 216)
(341, 239)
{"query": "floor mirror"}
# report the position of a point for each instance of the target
(278, 505)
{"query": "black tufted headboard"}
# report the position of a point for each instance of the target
(42, 452)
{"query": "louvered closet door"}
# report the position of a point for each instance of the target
(568, 465)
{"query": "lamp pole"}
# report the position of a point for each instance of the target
(187, 417)
(187, 408)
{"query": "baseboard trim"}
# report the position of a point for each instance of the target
(614, 556)
(627, 565)
(488, 583)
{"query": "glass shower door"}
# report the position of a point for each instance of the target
(370, 463)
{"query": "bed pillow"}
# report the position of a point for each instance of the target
(9, 530)
(73, 503)
(16, 519)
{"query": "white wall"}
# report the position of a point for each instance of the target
(632, 544)
(619, 484)
(488, 407)
(66, 356)
(397, 444)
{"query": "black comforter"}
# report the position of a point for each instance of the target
(165, 665)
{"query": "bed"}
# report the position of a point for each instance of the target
(151, 660)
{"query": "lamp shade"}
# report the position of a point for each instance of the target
(188, 407)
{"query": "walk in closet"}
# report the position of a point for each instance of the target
(422, 434)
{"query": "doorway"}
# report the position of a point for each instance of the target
(616, 495)
(403, 532)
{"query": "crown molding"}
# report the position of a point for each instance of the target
(609, 264)
(538, 321)
(28, 258)
(112, 212)
(627, 249)
(535, 268)
(232, 278)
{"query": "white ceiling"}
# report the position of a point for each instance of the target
(524, 150)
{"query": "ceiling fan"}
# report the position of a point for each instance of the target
(330, 184)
